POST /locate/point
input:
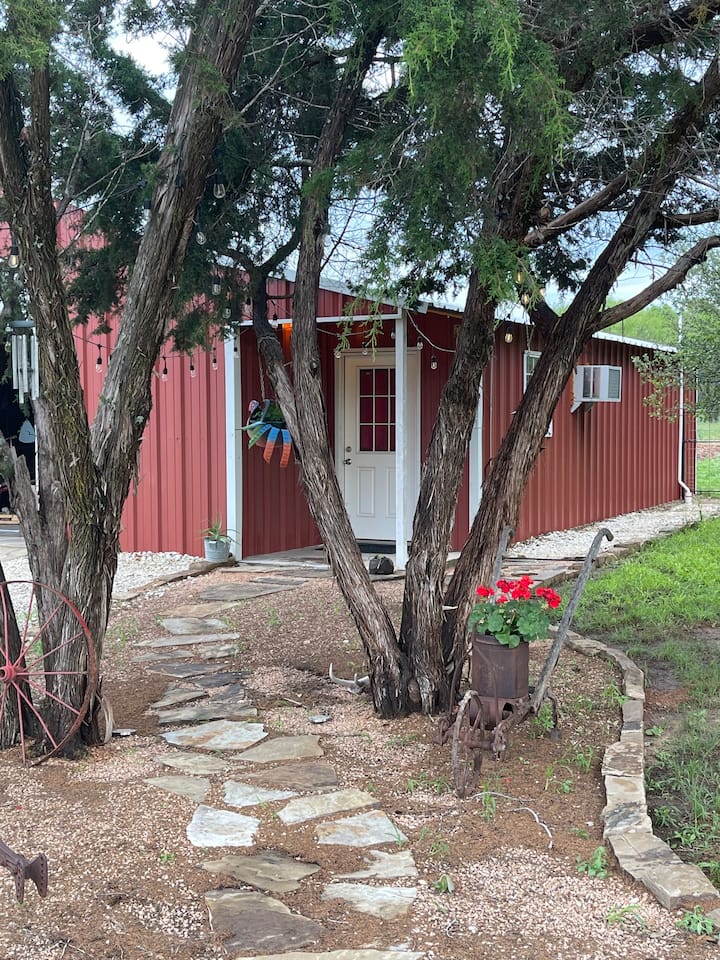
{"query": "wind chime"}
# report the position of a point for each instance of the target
(24, 353)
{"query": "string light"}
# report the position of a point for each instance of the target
(433, 362)
(164, 371)
(508, 335)
(14, 255)
(146, 211)
(420, 344)
(365, 350)
(193, 371)
(274, 321)
(227, 313)
(99, 361)
(338, 353)
(216, 285)
(219, 185)
(214, 359)
(200, 237)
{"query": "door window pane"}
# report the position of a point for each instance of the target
(376, 408)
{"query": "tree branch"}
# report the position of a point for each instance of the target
(671, 279)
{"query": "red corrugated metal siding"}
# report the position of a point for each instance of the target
(181, 469)
(602, 460)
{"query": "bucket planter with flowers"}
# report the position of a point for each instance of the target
(503, 622)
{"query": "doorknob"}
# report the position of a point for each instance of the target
(348, 460)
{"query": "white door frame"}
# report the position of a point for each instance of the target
(407, 447)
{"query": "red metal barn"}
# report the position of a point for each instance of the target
(603, 456)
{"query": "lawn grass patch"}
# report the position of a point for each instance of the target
(707, 479)
(656, 604)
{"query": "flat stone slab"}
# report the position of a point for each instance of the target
(177, 695)
(181, 626)
(211, 827)
(247, 795)
(215, 677)
(188, 640)
(158, 656)
(385, 866)
(269, 870)
(384, 902)
(192, 762)
(219, 651)
(362, 830)
(325, 805)
(679, 886)
(244, 591)
(183, 670)
(623, 759)
(301, 776)
(215, 710)
(217, 735)
(196, 788)
(340, 955)
(285, 748)
(639, 851)
(254, 921)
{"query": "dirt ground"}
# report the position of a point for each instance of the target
(126, 884)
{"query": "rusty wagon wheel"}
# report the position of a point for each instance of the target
(34, 675)
(467, 744)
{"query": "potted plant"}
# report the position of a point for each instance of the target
(217, 542)
(504, 620)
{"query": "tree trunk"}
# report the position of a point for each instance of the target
(86, 472)
(442, 470)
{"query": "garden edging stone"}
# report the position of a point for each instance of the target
(628, 828)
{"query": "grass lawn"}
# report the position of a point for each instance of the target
(708, 477)
(662, 605)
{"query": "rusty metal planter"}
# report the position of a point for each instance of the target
(499, 674)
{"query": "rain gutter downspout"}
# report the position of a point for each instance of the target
(687, 492)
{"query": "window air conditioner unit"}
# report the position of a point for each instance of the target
(596, 384)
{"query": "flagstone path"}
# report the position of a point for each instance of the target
(215, 714)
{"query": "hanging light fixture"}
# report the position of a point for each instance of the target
(420, 344)
(274, 321)
(525, 298)
(227, 313)
(216, 285)
(99, 361)
(147, 203)
(200, 236)
(193, 371)
(14, 255)
(338, 353)
(218, 185)
(433, 362)
(214, 359)
(508, 333)
(164, 371)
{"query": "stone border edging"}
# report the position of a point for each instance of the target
(628, 828)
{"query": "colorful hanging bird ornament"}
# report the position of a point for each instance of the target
(265, 426)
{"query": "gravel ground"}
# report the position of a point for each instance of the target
(137, 569)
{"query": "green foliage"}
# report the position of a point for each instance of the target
(661, 589)
(629, 912)
(595, 866)
(707, 479)
(695, 921)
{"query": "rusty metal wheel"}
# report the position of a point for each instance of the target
(47, 657)
(467, 744)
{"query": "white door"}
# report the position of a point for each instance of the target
(367, 452)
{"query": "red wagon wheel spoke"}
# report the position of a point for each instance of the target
(31, 680)
(467, 744)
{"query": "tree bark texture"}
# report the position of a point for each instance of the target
(85, 473)
(422, 615)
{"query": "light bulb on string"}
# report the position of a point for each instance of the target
(193, 371)
(214, 359)
(433, 362)
(219, 185)
(365, 350)
(99, 361)
(227, 313)
(216, 285)
(145, 216)
(525, 299)
(200, 236)
(164, 371)
(274, 321)
(14, 255)
(508, 335)
(420, 344)
(338, 353)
